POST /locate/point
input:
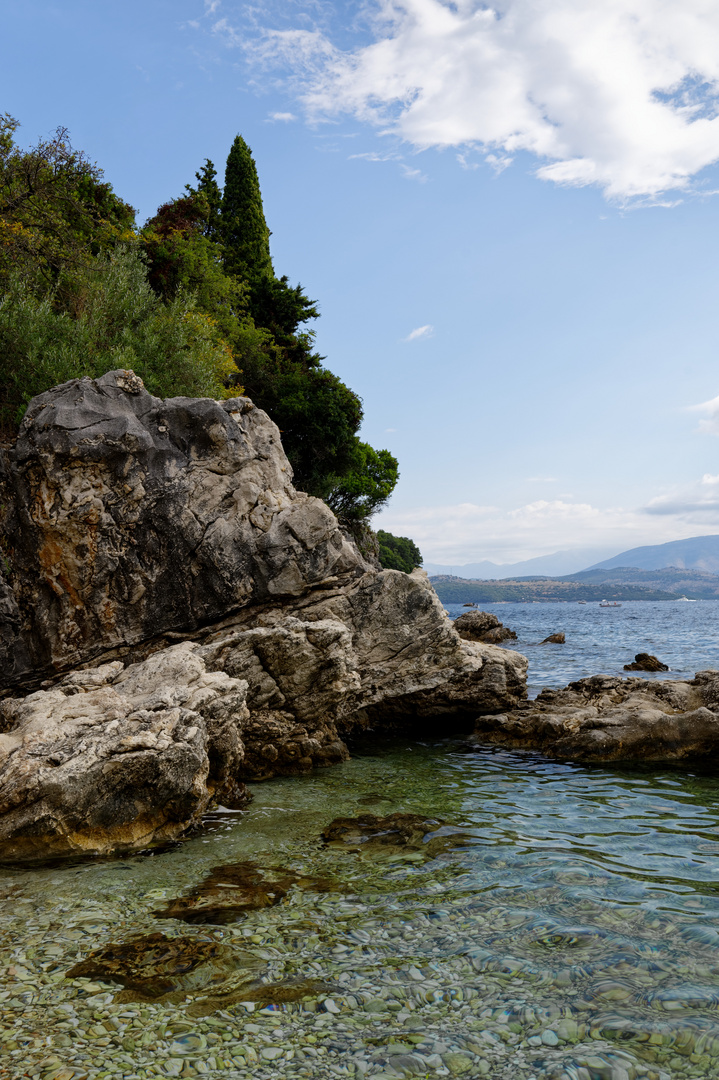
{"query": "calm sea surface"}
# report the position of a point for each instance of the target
(563, 923)
(683, 634)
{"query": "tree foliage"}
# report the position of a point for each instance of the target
(56, 213)
(398, 552)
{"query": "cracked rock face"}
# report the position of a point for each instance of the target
(115, 759)
(605, 718)
(125, 516)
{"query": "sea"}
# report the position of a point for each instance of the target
(560, 921)
(684, 634)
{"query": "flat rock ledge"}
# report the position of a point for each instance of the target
(177, 620)
(606, 718)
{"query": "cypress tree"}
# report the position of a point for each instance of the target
(245, 235)
(208, 187)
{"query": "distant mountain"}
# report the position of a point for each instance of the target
(694, 553)
(555, 565)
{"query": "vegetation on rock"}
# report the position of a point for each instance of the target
(398, 552)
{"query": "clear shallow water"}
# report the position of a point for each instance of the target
(569, 930)
(601, 640)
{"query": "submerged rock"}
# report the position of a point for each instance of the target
(646, 662)
(606, 718)
(230, 892)
(395, 829)
(154, 965)
(483, 626)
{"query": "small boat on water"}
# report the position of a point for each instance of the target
(686, 599)
(609, 603)
(581, 601)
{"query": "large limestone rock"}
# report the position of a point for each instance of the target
(133, 524)
(125, 516)
(115, 758)
(605, 718)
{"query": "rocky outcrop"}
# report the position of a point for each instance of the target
(646, 662)
(220, 626)
(125, 516)
(554, 639)
(483, 626)
(605, 718)
(115, 758)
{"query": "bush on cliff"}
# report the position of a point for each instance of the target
(398, 552)
(117, 322)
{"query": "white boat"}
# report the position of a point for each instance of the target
(686, 599)
(609, 603)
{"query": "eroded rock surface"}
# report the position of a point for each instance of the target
(606, 718)
(115, 758)
(125, 516)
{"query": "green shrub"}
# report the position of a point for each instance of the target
(117, 322)
(398, 552)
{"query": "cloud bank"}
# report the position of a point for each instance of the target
(468, 532)
(623, 94)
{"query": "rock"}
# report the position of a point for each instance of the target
(116, 759)
(606, 718)
(126, 516)
(395, 829)
(236, 633)
(483, 626)
(229, 893)
(553, 639)
(155, 965)
(646, 662)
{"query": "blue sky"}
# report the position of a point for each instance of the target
(508, 217)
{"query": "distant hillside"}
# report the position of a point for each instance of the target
(554, 565)
(694, 584)
(454, 590)
(694, 553)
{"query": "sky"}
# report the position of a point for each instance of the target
(508, 215)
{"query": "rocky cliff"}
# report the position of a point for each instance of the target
(220, 626)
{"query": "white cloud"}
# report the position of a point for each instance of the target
(282, 117)
(711, 412)
(623, 94)
(467, 532)
(420, 332)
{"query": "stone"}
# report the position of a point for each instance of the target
(118, 759)
(181, 620)
(483, 626)
(155, 965)
(395, 830)
(230, 892)
(646, 662)
(554, 639)
(606, 718)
